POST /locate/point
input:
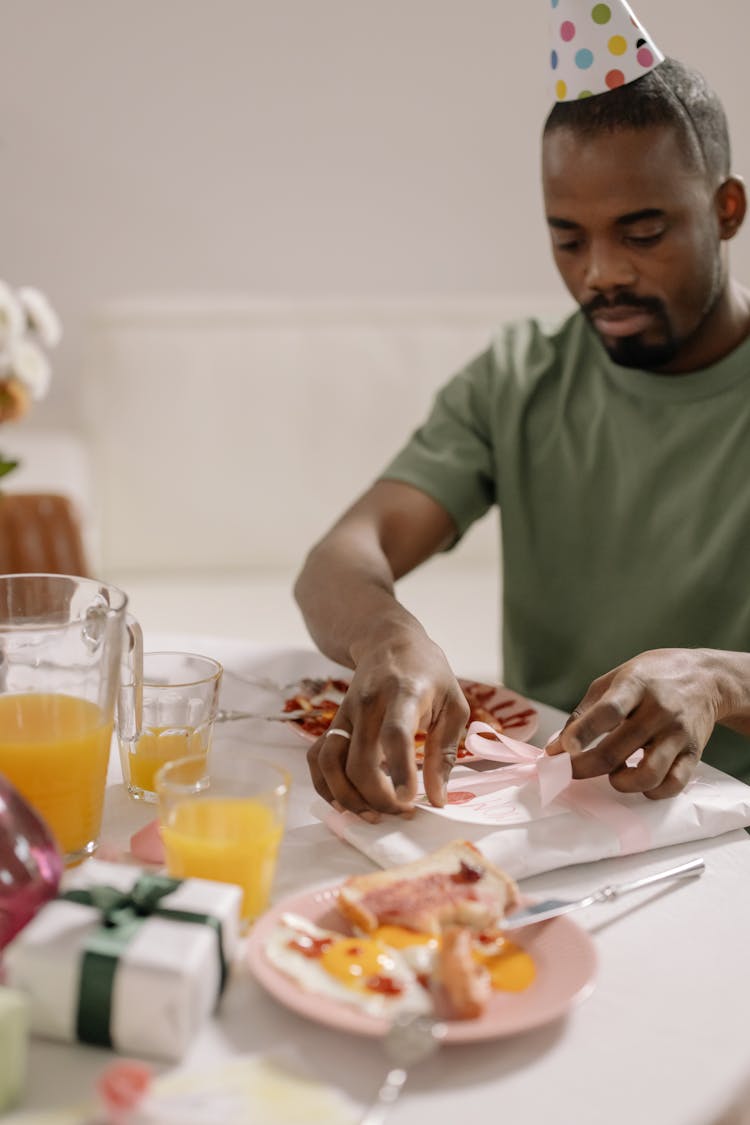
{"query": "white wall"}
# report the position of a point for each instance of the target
(291, 147)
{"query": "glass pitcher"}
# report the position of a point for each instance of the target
(66, 644)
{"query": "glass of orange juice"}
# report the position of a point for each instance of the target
(63, 643)
(222, 817)
(168, 714)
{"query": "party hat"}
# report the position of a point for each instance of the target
(597, 47)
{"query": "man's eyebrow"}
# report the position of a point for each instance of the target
(562, 224)
(622, 221)
(639, 216)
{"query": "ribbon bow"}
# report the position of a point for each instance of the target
(118, 906)
(122, 915)
(526, 762)
(554, 775)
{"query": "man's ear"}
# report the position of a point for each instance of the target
(731, 206)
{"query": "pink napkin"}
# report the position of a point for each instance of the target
(146, 845)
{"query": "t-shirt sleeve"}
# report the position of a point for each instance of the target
(450, 457)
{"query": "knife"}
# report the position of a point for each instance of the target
(552, 907)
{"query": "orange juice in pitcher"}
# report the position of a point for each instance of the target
(67, 645)
(55, 749)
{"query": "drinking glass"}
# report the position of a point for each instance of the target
(222, 817)
(65, 644)
(168, 714)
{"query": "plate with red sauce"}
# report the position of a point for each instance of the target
(505, 710)
(563, 953)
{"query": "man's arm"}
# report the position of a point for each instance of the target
(402, 682)
(667, 702)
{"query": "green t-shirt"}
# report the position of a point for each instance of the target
(625, 501)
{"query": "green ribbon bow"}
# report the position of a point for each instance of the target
(123, 913)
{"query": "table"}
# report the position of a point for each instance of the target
(662, 1039)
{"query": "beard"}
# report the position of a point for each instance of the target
(634, 351)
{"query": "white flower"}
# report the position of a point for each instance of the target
(30, 366)
(41, 316)
(12, 315)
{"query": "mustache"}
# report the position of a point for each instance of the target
(623, 301)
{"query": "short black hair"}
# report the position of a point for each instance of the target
(671, 94)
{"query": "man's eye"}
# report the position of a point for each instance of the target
(645, 239)
(569, 246)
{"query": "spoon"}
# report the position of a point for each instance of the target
(410, 1039)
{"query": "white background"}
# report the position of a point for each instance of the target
(291, 147)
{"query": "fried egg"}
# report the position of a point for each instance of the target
(511, 968)
(361, 970)
(418, 950)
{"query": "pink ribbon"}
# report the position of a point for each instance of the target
(554, 775)
(525, 762)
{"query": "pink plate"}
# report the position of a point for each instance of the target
(515, 716)
(564, 954)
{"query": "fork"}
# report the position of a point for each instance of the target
(271, 716)
(310, 684)
(552, 907)
(410, 1039)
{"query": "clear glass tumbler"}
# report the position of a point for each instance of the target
(169, 714)
(222, 817)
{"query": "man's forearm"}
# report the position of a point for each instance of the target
(347, 597)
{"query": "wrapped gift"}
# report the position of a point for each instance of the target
(126, 960)
(531, 816)
(14, 1034)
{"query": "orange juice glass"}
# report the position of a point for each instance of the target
(222, 817)
(62, 645)
(170, 714)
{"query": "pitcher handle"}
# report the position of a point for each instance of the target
(130, 696)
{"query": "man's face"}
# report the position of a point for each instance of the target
(635, 238)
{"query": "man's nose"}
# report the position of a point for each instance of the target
(608, 268)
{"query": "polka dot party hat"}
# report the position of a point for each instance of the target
(597, 47)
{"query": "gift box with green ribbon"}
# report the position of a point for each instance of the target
(126, 960)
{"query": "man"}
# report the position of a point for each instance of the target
(617, 446)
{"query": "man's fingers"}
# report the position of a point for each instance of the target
(665, 769)
(638, 730)
(388, 735)
(326, 760)
(441, 745)
(679, 775)
(316, 774)
(557, 745)
(374, 769)
(602, 717)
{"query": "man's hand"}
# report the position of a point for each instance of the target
(399, 687)
(666, 702)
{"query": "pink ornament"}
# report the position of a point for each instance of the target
(30, 862)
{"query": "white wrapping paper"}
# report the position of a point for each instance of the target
(167, 980)
(524, 837)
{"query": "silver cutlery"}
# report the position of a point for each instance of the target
(310, 685)
(552, 907)
(271, 716)
(410, 1040)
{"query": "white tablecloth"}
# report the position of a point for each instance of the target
(662, 1040)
